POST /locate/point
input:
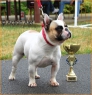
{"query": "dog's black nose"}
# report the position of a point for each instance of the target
(69, 34)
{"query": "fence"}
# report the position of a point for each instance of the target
(17, 18)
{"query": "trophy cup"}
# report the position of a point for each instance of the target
(71, 49)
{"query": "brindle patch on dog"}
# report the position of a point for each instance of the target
(32, 31)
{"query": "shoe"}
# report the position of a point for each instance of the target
(55, 10)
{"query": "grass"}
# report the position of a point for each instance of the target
(81, 36)
(10, 34)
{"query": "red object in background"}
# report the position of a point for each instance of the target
(22, 15)
(39, 3)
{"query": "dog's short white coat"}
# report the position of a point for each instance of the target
(39, 54)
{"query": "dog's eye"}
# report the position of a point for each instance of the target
(65, 25)
(66, 29)
(59, 29)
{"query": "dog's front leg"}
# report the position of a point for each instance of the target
(54, 71)
(31, 70)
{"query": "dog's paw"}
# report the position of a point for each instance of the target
(32, 85)
(11, 77)
(37, 76)
(54, 83)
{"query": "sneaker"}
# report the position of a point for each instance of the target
(55, 10)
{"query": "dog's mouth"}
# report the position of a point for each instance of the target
(61, 38)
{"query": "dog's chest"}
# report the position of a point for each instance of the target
(46, 61)
(47, 58)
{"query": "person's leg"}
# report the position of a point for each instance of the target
(51, 6)
(62, 3)
(78, 8)
(52, 9)
(56, 4)
(46, 4)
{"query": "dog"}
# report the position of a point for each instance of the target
(41, 49)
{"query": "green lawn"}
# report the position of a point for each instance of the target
(10, 34)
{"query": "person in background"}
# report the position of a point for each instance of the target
(56, 3)
(71, 2)
(48, 7)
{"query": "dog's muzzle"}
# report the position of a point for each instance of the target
(69, 32)
(66, 34)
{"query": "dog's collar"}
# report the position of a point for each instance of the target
(44, 36)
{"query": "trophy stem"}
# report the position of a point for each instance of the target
(71, 76)
(71, 71)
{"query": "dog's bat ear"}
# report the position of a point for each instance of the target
(60, 16)
(46, 19)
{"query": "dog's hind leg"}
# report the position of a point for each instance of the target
(36, 74)
(15, 59)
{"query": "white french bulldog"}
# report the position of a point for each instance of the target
(41, 49)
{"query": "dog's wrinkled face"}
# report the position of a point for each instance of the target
(57, 30)
(63, 33)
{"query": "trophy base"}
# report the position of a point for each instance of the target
(71, 78)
